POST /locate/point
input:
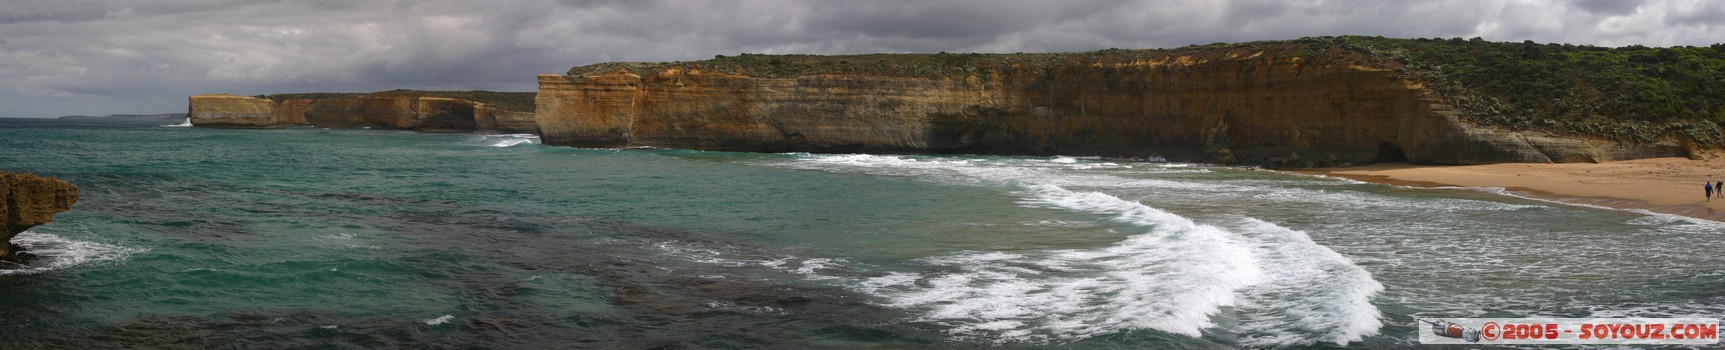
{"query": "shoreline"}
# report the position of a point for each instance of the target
(1659, 185)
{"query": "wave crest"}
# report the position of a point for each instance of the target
(56, 253)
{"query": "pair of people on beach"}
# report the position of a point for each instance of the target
(1711, 188)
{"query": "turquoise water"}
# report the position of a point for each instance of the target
(191, 238)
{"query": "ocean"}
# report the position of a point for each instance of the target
(310, 237)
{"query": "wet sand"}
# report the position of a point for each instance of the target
(1665, 185)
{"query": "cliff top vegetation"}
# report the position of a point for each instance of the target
(1631, 93)
(1624, 93)
(509, 101)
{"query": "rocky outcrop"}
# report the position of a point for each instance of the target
(290, 112)
(437, 114)
(27, 201)
(1253, 104)
(403, 111)
(504, 121)
(386, 112)
(231, 111)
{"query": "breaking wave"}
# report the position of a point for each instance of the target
(57, 253)
(511, 140)
(1175, 275)
(439, 320)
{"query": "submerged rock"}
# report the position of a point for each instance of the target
(26, 201)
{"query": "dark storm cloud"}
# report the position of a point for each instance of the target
(112, 56)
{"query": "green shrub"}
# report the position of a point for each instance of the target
(1633, 93)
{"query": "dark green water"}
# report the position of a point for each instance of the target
(199, 238)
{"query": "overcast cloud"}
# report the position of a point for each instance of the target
(62, 57)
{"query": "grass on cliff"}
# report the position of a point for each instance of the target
(1631, 93)
(509, 101)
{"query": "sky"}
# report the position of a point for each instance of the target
(96, 57)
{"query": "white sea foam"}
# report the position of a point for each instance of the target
(56, 253)
(1060, 223)
(1362, 199)
(1171, 170)
(1175, 276)
(1342, 179)
(886, 161)
(1691, 222)
(809, 268)
(184, 124)
(991, 171)
(439, 320)
(511, 140)
(1310, 286)
(1677, 222)
(707, 255)
(758, 310)
(1054, 171)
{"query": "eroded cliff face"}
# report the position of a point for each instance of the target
(1246, 105)
(382, 111)
(390, 112)
(503, 121)
(27, 201)
(231, 111)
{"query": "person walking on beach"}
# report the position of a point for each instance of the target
(1719, 187)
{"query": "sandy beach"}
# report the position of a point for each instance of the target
(1665, 185)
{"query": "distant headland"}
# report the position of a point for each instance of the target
(164, 117)
(425, 111)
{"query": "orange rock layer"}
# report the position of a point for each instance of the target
(1276, 105)
(1240, 105)
(405, 112)
(27, 201)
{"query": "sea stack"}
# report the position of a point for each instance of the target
(26, 201)
(232, 111)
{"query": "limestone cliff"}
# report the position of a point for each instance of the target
(230, 111)
(404, 110)
(1279, 105)
(503, 121)
(27, 201)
